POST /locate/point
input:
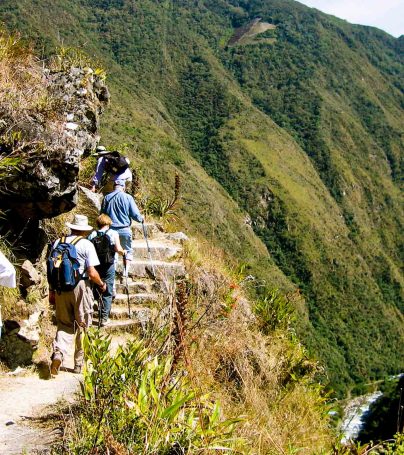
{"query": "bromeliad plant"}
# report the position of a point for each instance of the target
(134, 401)
(161, 207)
(274, 310)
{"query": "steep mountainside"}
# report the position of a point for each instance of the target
(298, 129)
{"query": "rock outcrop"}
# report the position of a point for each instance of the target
(29, 275)
(48, 140)
(19, 340)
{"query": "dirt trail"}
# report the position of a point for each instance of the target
(25, 401)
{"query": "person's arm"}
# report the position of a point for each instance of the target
(91, 262)
(98, 173)
(95, 278)
(126, 175)
(118, 246)
(134, 212)
(103, 205)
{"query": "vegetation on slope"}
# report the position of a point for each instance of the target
(214, 378)
(320, 185)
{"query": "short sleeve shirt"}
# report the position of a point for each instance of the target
(113, 235)
(86, 253)
(7, 272)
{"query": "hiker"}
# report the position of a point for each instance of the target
(107, 243)
(74, 301)
(7, 277)
(111, 166)
(122, 209)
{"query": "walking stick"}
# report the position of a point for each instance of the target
(99, 307)
(125, 271)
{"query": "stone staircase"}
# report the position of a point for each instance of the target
(149, 278)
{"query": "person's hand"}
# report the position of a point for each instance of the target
(52, 298)
(103, 288)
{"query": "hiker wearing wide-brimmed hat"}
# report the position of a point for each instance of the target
(111, 166)
(74, 303)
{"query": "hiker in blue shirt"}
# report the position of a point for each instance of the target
(122, 209)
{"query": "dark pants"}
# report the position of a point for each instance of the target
(107, 274)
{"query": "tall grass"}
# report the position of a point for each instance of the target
(248, 354)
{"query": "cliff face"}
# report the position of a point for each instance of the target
(49, 119)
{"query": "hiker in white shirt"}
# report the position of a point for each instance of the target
(74, 308)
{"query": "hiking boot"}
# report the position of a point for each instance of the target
(77, 369)
(55, 365)
(104, 323)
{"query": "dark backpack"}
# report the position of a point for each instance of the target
(115, 163)
(63, 266)
(104, 248)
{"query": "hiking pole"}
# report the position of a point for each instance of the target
(125, 272)
(148, 249)
(99, 307)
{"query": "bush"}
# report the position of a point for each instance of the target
(134, 400)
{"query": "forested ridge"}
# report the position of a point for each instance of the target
(299, 135)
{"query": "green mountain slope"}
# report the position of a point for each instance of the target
(300, 130)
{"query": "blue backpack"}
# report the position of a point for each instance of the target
(63, 266)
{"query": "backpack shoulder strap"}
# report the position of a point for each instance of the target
(76, 240)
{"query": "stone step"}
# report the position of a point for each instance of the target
(173, 237)
(121, 322)
(135, 287)
(159, 270)
(152, 230)
(137, 299)
(120, 325)
(156, 232)
(122, 312)
(159, 249)
(119, 312)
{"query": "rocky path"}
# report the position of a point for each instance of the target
(27, 401)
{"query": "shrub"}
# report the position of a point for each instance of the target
(135, 401)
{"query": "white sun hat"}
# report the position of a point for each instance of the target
(80, 223)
